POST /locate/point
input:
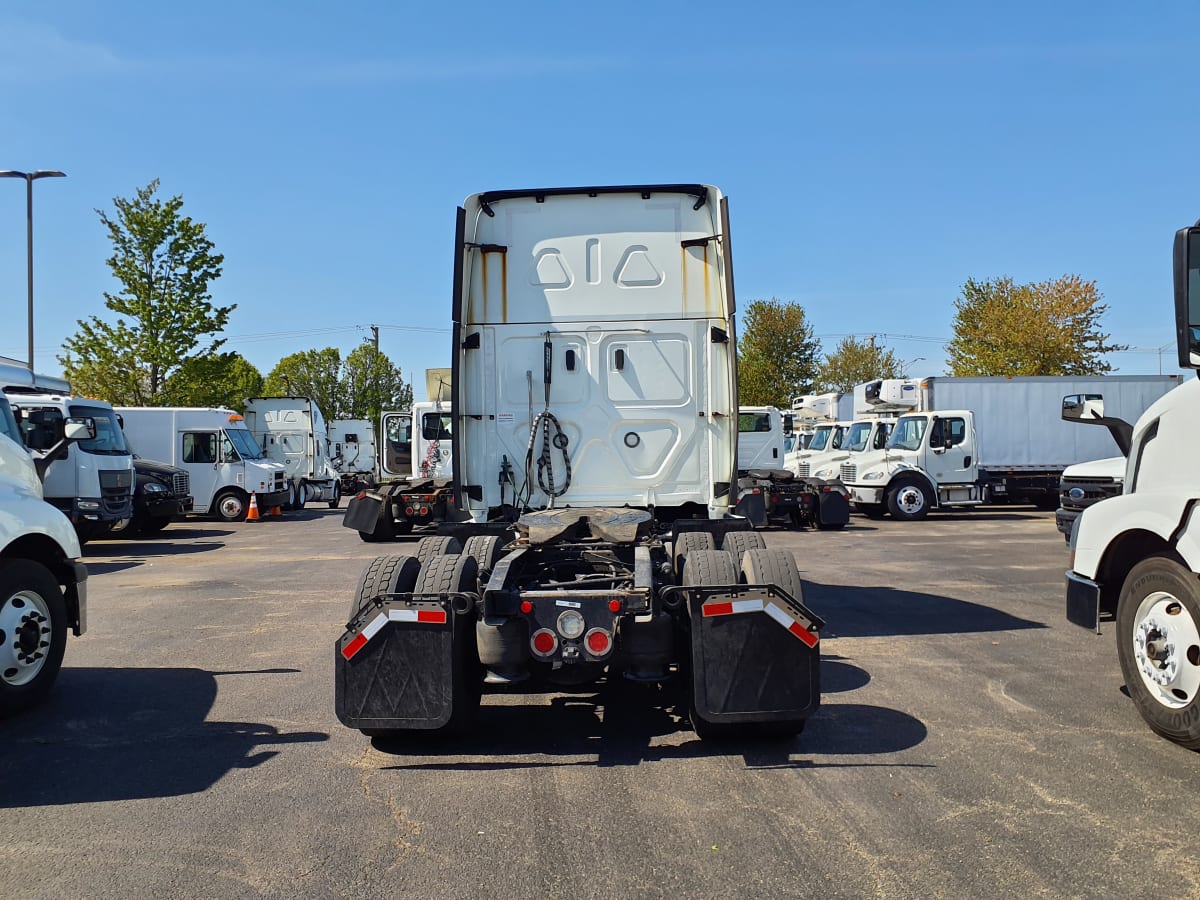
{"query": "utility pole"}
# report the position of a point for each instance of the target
(375, 337)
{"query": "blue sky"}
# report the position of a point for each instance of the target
(876, 155)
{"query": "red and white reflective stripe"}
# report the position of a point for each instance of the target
(730, 607)
(430, 616)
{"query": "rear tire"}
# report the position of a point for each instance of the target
(33, 633)
(487, 550)
(689, 542)
(385, 575)
(384, 529)
(439, 545)
(775, 567)
(447, 574)
(738, 542)
(704, 568)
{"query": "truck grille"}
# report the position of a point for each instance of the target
(181, 484)
(1080, 493)
(849, 472)
(116, 492)
(802, 469)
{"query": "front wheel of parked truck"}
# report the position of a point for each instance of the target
(1158, 643)
(231, 505)
(33, 633)
(909, 501)
(336, 499)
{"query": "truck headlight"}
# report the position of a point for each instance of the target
(826, 473)
(153, 487)
(873, 476)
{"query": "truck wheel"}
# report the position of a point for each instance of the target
(689, 542)
(290, 503)
(231, 505)
(487, 550)
(385, 575)
(337, 496)
(33, 633)
(738, 542)
(776, 567)
(448, 574)
(301, 495)
(702, 568)
(1158, 643)
(909, 501)
(439, 545)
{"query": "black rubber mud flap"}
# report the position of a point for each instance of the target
(362, 513)
(402, 677)
(752, 507)
(834, 509)
(755, 657)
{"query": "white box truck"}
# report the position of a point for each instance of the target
(594, 350)
(225, 465)
(92, 480)
(959, 442)
(291, 431)
(1135, 558)
(353, 454)
(43, 585)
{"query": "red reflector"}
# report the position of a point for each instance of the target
(424, 510)
(354, 646)
(408, 509)
(361, 495)
(544, 642)
(718, 609)
(598, 642)
(614, 605)
(804, 634)
(526, 607)
(437, 616)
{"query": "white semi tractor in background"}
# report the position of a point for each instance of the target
(594, 443)
(291, 431)
(225, 464)
(1135, 558)
(960, 442)
(90, 480)
(43, 584)
(353, 454)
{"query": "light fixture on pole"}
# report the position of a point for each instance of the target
(904, 366)
(30, 178)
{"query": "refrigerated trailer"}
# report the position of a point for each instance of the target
(594, 444)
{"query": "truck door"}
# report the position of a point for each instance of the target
(199, 456)
(952, 457)
(397, 445)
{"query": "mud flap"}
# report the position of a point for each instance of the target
(756, 655)
(362, 513)
(753, 507)
(396, 667)
(834, 508)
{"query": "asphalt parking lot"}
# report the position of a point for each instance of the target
(970, 743)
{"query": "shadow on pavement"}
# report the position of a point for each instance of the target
(126, 734)
(880, 611)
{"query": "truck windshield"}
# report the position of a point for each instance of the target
(109, 439)
(908, 433)
(243, 443)
(820, 437)
(856, 440)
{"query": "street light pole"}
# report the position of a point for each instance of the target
(30, 178)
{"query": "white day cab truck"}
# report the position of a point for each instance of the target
(869, 430)
(90, 480)
(291, 431)
(593, 354)
(225, 465)
(352, 453)
(767, 492)
(961, 442)
(820, 420)
(1135, 558)
(43, 585)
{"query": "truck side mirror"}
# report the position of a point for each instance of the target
(787, 425)
(1083, 408)
(1187, 296)
(81, 429)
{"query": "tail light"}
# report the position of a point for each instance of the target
(544, 642)
(599, 642)
(526, 607)
(614, 606)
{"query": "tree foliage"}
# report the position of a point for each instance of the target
(854, 362)
(371, 383)
(165, 264)
(1043, 328)
(777, 354)
(316, 374)
(220, 379)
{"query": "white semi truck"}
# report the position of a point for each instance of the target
(43, 585)
(595, 374)
(90, 480)
(1135, 558)
(959, 442)
(291, 431)
(225, 465)
(353, 454)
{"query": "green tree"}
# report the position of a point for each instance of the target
(220, 379)
(854, 362)
(165, 264)
(371, 383)
(777, 354)
(315, 374)
(1044, 328)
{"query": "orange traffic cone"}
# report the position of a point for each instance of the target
(276, 512)
(252, 513)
